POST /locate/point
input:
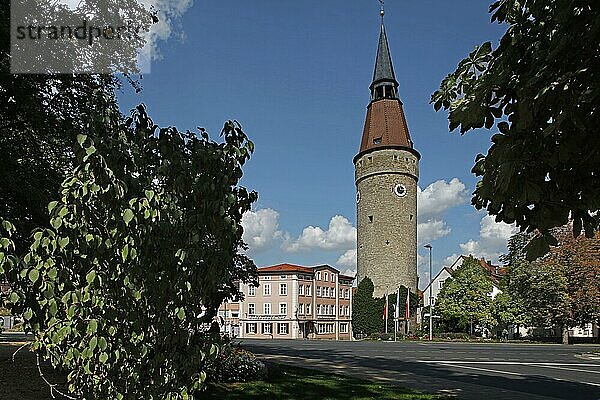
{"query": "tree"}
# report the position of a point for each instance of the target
(465, 299)
(579, 259)
(367, 311)
(540, 85)
(560, 289)
(143, 245)
(40, 118)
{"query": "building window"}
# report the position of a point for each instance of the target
(267, 308)
(347, 311)
(308, 291)
(441, 283)
(267, 328)
(266, 278)
(235, 314)
(325, 328)
(251, 309)
(301, 290)
(301, 308)
(318, 291)
(370, 218)
(347, 293)
(251, 327)
(283, 308)
(283, 289)
(325, 291)
(342, 310)
(319, 275)
(326, 276)
(283, 328)
(251, 290)
(267, 289)
(318, 309)
(341, 293)
(332, 293)
(344, 327)
(308, 309)
(283, 277)
(331, 309)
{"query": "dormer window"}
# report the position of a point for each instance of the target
(377, 140)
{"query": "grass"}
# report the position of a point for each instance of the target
(20, 380)
(292, 383)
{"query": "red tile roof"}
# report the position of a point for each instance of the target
(385, 125)
(286, 268)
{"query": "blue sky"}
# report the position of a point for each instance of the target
(296, 76)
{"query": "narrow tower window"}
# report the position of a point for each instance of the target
(370, 218)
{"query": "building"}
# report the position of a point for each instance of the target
(386, 175)
(437, 283)
(297, 302)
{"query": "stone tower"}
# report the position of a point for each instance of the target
(386, 175)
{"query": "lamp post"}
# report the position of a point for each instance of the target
(428, 246)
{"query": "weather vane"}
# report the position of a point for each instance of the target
(382, 12)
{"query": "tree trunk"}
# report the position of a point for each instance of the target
(565, 334)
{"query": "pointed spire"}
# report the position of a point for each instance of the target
(384, 70)
(384, 83)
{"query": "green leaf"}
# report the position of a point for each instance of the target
(51, 206)
(102, 343)
(92, 326)
(63, 242)
(149, 194)
(125, 252)
(33, 275)
(127, 216)
(13, 298)
(56, 222)
(181, 314)
(28, 314)
(81, 139)
(90, 276)
(93, 343)
(103, 357)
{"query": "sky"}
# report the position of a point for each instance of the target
(296, 75)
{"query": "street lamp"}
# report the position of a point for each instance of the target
(428, 246)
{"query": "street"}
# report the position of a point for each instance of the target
(466, 370)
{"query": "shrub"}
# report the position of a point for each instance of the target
(234, 364)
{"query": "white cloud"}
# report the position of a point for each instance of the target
(439, 197)
(492, 239)
(348, 259)
(340, 235)
(260, 228)
(431, 230)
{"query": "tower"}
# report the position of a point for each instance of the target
(386, 175)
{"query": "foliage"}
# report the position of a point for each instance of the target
(560, 289)
(579, 259)
(465, 298)
(234, 364)
(516, 246)
(40, 118)
(540, 86)
(366, 311)
(540, 289)
(143, 246)
(508, 310)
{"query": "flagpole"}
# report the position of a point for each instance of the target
(386, 311)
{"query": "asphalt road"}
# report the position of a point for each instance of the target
(466, 370)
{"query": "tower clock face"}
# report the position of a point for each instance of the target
(400, 190)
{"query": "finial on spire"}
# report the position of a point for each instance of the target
(382, 12)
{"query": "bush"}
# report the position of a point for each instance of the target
(234, 364)
(381, 336)
(454, 336)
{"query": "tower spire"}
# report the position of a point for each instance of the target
(384, 83)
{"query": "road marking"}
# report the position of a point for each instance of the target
(511, 363)
(455, 364)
